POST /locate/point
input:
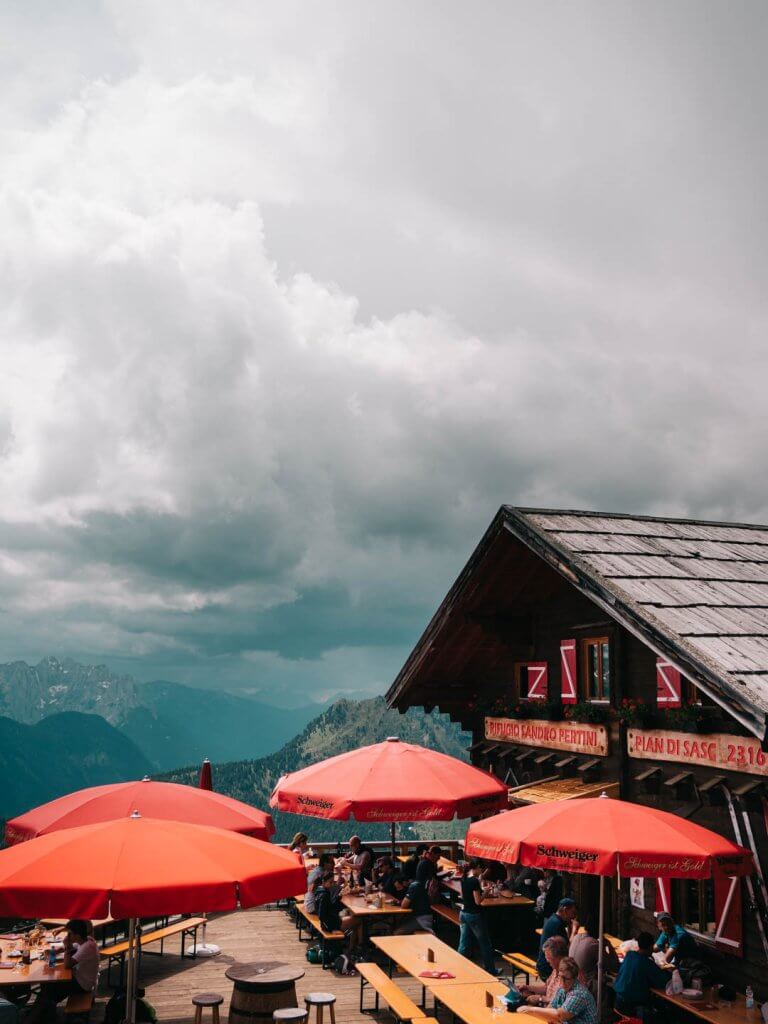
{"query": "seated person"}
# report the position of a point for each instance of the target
(572, 1002)
(384, 875)
(560, 923)
(542, 993)
(427, 868)
(638, 974)
(550, 888)
(300, 845)
(334, 916)
(585, 950)
(525, 882)
(492, 872)
(416, 900)
(324, 864)
(674, 941)
(361, 859)
(81, 956)
(413, 861)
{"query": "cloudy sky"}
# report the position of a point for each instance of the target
(294, 295)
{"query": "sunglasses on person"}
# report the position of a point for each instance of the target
(565, 976)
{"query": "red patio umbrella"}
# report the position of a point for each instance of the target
(606, 837)
(137, 867)
(165, 800)
(390, 781)
(206, 778)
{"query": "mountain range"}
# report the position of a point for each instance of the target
(170, 724)
(343, 726)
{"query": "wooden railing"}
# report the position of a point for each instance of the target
(452, 848)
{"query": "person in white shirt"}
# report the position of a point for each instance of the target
(81, 956)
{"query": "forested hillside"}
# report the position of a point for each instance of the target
(344, 726)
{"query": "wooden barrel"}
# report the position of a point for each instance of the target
(259, 990)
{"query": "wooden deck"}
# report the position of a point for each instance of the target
(247, 935)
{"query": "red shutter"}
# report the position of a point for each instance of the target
(668, 685)
(728, 925)
(663, 895)
(538, 683)
(568, 691)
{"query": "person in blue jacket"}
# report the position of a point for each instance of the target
(638, 974)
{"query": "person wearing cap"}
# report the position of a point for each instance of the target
(674, 941)
(560, 923)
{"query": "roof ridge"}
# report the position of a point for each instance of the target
(525, 510)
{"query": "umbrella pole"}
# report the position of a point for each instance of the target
(601, 949)
(393, 840)
(130, 979)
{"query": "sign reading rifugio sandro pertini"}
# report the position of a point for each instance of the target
(574, 737)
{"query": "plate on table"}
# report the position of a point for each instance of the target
(7, 965)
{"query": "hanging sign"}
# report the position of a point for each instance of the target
(709, 750)
(637, 893)
(574, 737)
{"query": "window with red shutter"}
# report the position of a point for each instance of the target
(710, 909)
(568, 677)
(668, 685)
(538, 682)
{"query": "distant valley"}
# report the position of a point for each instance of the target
(169, 723)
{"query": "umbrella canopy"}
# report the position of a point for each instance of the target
(206, 778)
(390, 781)
(164, 800)
(140, 866)
(603, 837)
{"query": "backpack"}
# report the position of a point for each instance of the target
(433, 890)
(314, 955)
(343, 965)
(115, 1010)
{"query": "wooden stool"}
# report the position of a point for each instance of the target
(290, 1015)
(212, 999)
(319, 1000)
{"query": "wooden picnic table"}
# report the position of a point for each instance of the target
(358, 905)
(409, 952)
(469, 1003)
(36, 973)
(507, 899)
(737, 1013)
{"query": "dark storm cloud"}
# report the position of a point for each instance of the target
(293, 301)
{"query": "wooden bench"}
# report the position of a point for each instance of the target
(117, 952)
(523, 965)
(79, 1004)
(312, 922)
(447, 912)
(399, 1004)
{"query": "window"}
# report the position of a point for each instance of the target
(596, 668)
(709, 909)
(697, 906)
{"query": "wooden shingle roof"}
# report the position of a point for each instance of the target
(701, 586)
(695, 592)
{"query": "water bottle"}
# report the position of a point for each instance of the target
(750, 997)
(52, 958)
